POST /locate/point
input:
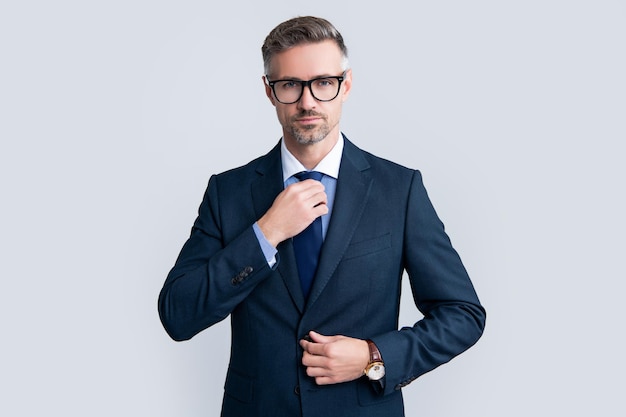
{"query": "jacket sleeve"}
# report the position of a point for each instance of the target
(453, 316)
(211, 275)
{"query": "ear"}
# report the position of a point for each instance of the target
(346, 85)
(268, 91)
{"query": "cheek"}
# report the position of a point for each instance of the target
(335, 113)
(283, 115)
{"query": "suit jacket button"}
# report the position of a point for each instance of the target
(296, 390)
(248, 269)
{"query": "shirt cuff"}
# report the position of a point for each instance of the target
(268, 250)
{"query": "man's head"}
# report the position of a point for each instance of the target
(307, 79)
(298, 31)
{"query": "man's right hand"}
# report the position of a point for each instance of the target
(293, 210)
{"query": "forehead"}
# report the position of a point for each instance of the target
(307, 61)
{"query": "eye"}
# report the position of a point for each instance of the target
(325, 82)
(288, 85)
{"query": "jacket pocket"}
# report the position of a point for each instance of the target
(239, 386)
(369, 397)
(368, 247)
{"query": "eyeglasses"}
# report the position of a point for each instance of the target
(322, 88)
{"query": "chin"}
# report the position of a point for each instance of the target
(309, 138)
(309, 141)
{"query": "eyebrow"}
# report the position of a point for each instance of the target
(285, 78)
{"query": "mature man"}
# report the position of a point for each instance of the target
(315, 326)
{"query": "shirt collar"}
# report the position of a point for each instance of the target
(327, 166)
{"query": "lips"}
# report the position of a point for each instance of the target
(309, 118)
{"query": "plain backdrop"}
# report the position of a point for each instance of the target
(113, 115)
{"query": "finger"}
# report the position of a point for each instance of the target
(315, 199)
(322, 376)
(316, 372)
(320, 210)
(306, 346)
(324, 380)
(313, 361)
(308, 186)
(312, 348)
(303, 191)
(319, 198)
(319, 338)
(310, 182)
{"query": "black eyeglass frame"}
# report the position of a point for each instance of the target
(339, 78)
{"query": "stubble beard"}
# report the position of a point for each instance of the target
(309, 134)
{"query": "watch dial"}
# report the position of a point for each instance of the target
(376, 372)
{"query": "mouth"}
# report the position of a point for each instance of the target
(309, 119)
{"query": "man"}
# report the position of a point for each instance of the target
(317, 334)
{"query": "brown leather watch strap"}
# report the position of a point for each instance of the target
(375, 355)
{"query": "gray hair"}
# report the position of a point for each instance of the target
(298, 31)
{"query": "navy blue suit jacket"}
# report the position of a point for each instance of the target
(383, 224)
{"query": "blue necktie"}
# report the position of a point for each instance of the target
(308, 243)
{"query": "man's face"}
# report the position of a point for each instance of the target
(308, 120)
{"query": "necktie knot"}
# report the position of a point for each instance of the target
(306, 175)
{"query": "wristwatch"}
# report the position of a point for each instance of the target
(375, 369)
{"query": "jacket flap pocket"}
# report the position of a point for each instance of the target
(369, 246)
(238, 386)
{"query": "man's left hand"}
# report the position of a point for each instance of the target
(334, 359)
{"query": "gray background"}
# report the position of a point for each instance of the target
(114, 114)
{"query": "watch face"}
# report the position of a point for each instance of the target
(376, 371)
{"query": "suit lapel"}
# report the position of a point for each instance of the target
(353, 188)
(264, 190)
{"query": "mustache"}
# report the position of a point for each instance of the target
(308, 113)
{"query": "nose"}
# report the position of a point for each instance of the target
(307, 101)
